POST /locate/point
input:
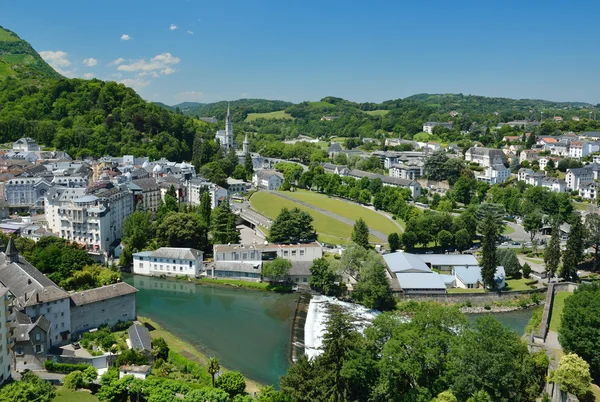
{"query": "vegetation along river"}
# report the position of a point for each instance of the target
(247, 330)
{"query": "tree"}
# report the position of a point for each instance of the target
(206, 208)
(434, 165)
(493, 211)
(480, 396)
(30, 388)
(322, 276)
(269, 394)
(90, 374)
(182, 230)
(532, 222)
(507, 258)
(462, 239)
(232, 382)
(169, 205)
(206, 394)
(573, 251)
(213, 368)
(137, 230)
(573, 375)
(445, 239)
(172, 191)
(74, 380)
(409, 240)
(579, 330)
(373, 288)
(592, 222)
(223, 225)
(248, 166)
(160, 349)
(292, 226)
(360, 233)
(446, 396)
(239, 173)
(394, 241)
(526, 269)
(552, 251)
(277, 269)
(488, 251)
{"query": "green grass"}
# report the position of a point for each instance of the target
(377, 112)
(534, 260)
(7, 36)
(517, 284)
(557, 309)
(508, 230)
(18, 58)
(277, 115)
(581, 206)
(322, 105)
(66, 395)
(460, 290)
(5, 70)
(347, 210)
(330, 230)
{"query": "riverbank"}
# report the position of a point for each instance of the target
(231, 283)
(187, 350)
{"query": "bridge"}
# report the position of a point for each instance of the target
(255, 218)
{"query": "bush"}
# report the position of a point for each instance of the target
(526, 270)
(232, 382)
(487, 307)
(531, 282)
(122, 326)
(64, 368)
(74, 380)
(90, 374)
(468, 303)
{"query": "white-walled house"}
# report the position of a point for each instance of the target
(139, 372)
(589, 190)
(576, 178)
(494, 174)
(169, 261)
(267, 179)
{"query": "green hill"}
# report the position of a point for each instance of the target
(18, 59)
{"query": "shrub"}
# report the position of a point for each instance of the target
(74, 380)
(90, 374)
(64, 368)
(468, 303)
(232, 382)
(487, 307)
(122, 326)
(526, 270)
(531, 282)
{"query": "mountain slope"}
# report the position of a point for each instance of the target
(19, 59)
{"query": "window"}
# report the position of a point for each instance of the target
(190, 264)
(180, 268)
(39, 348)
(285, 253)
(37, 337)
(302, 252)
(173, 261)
(293, 253)
(174, 268)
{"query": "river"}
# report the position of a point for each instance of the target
(247, 330)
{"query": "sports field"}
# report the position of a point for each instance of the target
(347, 210)
(330, 230)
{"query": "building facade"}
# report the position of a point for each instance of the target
(169, 261)
(26, 192)
(267, 179)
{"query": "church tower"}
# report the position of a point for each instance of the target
(246, 145)
(228, 130)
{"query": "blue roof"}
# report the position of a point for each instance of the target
(468, 275)
(448, 279)
(418, 280)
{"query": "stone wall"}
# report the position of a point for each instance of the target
(547, 314)
(474, 298)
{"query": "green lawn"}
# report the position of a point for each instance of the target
(460, 290)
(581, 206)
(517, 284)
(557, 309)
(330, 230)
(278, 115)
(65, 395)
(377, 112)
(5, 69)
(347, 210)
(508, 230)
(534, 260)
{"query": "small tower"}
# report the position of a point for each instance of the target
(11, 252)
(246, 145)
(228, 129)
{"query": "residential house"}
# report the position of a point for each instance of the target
(428, 127)
(555, 185)
(26, 144)
(140, 340)
(267, 179)
(535, 179)
(137, 371)
(31, 343)
(529, 155)
(575, 178)
(494, 174)
(560, 148)
(578, 149)
(235, 186)
(146, 194)
(524, 173)
(169, 261)
(334, 149)
(485, 156)
(409, 170)
(589, 190)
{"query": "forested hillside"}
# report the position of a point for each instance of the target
(18, 59)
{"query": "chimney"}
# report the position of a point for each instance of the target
(37, 297)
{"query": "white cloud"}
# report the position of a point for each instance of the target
(116, 75)
(160, 62)
(189, 96)
(125, 37)
(88, 76)
(90, 62)
(116, 62)
(173, 27)
(189, 32)
(135, 83)
(59, 61)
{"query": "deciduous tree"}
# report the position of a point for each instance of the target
(277, 269)
(552, 251)
(292, 226)
(573, 375)
(360, 233)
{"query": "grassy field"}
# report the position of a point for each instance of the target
(18, 58)
(377, 112)
(534, 260)
(330, 230)
(5, 70)
(347, 210)
(278, 115)
(508, 230)
(7, 37)
(557, 309)
(66, 395)
(517, 284)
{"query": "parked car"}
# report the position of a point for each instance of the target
(516, 243)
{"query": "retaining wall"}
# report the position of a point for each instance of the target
(474, 298)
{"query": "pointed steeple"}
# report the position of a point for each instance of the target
(246, 145)
(11, 251)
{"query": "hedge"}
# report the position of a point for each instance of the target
(64, 368)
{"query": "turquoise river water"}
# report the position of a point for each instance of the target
(247, 330)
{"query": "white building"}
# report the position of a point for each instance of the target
(555, 185)
(589, 190)
(485, 156)
(235, 186)
(24, 192)
(267, 179)
(197, 187)
(139, 372)
(494, 174)
(225, 137)
(93, 218)
(578, 149)
(428, 127)
(26, 144)
(576, 178)
(169, 261)
(409, 170)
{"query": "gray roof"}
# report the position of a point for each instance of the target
(335, 147)
(266, 173)
(102, 293)
(173, 253)
(468, 275)
(448, 259)
(486, 151)
(140, 338)
(385, 179)
(25, 326)
(239, 266)
(301, 268)
(146, 184)
(420, 281)
(405, 262)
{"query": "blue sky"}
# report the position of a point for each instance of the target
(205, 51)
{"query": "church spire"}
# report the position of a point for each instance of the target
(246, 145)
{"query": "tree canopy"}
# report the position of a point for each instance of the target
(292, 226)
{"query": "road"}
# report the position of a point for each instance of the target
(382, 236)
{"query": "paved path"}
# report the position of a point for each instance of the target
(552, 341)
(382, 236)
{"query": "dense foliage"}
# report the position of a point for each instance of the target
(292, 226)
(30, 388)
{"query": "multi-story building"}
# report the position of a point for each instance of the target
(576, 178)
(555, 185)
(529, 155)
(589, 190)
(428, 127)
(267, 179)
(494, 174)
(146, 194)
(485, 156)
(26, 144)
(91, 217)
(197, 187)
(26, 192)
(235, 186)
(169, 261)
(409, 170)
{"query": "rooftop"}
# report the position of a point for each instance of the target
(140, 338)
(421, 281)
(102, 293)
(173, 253)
